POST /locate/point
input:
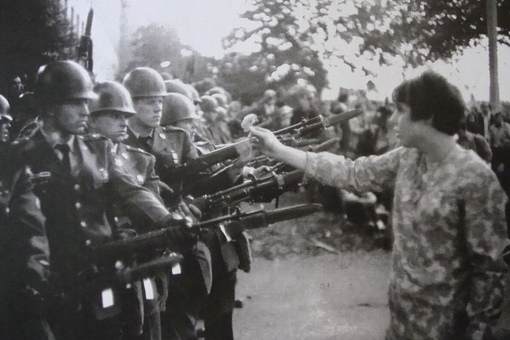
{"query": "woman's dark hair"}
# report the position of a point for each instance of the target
(431, 96)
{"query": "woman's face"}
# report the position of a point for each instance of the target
(407, 129)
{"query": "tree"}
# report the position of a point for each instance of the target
(415, 31)
(33, 33)
(284, 33)
(160, 48)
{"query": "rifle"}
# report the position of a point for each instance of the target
(254, 190)
(194, 166)
(143, 245)
(84, 49)
(236, 223)
(315, 124)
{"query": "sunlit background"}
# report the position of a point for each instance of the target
(202, 24)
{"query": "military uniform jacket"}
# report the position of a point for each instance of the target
(171, 147)
(139, 165)
(23, 243)
(75, 204)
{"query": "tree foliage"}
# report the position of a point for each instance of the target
(153, 44)
(33, 33)
(287, 50)
(317, 31)
(425, 30)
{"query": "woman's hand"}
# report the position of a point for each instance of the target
(265, 142)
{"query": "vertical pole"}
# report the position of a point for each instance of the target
(492, 24)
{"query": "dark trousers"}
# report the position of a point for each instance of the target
(219, 306)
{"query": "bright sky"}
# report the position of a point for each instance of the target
(202, 24)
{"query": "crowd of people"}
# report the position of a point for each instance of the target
(85, 164)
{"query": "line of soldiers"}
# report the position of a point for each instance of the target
(89, 171)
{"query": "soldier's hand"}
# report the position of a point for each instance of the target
(189, 211)
(264, 141)
(182, 235)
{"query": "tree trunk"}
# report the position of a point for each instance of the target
(492, 24)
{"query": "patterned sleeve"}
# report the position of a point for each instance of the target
(486, 237)
(373, 173)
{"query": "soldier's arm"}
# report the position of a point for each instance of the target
(152, 180)
(486, 237)
(137, 201)
(25, 235)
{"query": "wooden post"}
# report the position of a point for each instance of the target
(492, 33)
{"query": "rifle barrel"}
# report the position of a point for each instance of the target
(194, 166)
(324, 146)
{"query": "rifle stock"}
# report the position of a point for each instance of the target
(148, 269)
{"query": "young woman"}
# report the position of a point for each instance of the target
(448, 217)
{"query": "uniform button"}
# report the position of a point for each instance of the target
(76, 187)
(77, 205)
(116, 219)
(83, 224)
(87, 243)
(7, 210)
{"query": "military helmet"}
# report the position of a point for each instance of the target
(4, 105)
(177, 86)
(60, 81)
(208, 103)
(112, 96)
(177, 107)
(221, 99)
(194, 94)
(5, 118)
(144, 82)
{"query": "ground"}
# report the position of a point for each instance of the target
(318, 278)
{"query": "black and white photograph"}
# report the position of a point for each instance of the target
(254, 170)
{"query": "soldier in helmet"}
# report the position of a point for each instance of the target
(211, 129)
(177, 86)
(227, 257)
(109, 115)
(171, 147)
(82, 179)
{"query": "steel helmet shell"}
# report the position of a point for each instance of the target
(221, 99)
(5, 118)
(177, 107)
(208, 103)
(177, 86)
(194, 94)
(4, 105)
(144, 82)
(111, 96)
(60, 81)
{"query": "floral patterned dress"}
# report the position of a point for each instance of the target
(447, 279)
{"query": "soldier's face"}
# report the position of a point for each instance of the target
(71, 117)
(149, 111)
(112, 125)
(4, 132)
